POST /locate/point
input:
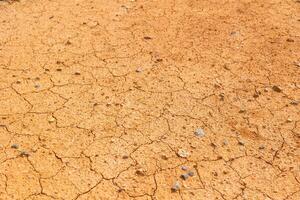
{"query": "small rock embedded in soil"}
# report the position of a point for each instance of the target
(184, 176)
(200, 132)
(297, 64)
(147, 38)
(176, 186)
(289, 120)
(225, 142)
(68, 43)
(24, 154)
(242, 111)
(261, 147)
(14, 146)
(294, 103)
(51, 119)
(37, 86)
(191, 173)
(183, 153)
(164, 157)
(241, 142)
(138, 70)
(140, 172)
(184, 168)
(289, 40)
(276, 88)
(77, 73)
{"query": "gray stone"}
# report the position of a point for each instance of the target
(225, 142)
(14, 146)
(184, 176)
(184, 168)
(199, 132)
(183, 153)
(241, 142)
(176, 186)
(191, 173)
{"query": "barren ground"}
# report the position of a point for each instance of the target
(100, 99)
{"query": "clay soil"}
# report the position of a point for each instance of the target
(139, 99)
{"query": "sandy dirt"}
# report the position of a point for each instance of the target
(140, 99)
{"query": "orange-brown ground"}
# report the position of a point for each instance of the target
(100, 99)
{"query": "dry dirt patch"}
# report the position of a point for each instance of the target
(136, 99)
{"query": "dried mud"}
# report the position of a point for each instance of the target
(101, 99)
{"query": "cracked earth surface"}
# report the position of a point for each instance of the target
(97, 97)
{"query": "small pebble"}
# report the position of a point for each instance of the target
(175, 187)
(261, 147)
(200, 132)
(184, 168)
(14, 146)
(147, 38)
(125, 157)
(294, 103)
(297, 64)
(225, 142)
(164, 157)
(68, 42)
(138, 70)
(140, 172)
(256, 95)
(276, 88)
(242, 111)
(191, 173)
(184, 176)
(37, 86)
(241, 142)
(77, 73)
(51, 119)
(183, 153)
(289, 120)
(24, 154)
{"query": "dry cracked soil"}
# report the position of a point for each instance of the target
(150, 100)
